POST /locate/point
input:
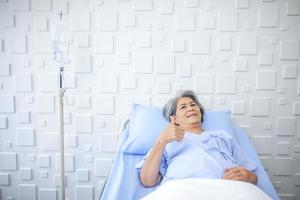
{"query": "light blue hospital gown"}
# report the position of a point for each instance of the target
(202, 156)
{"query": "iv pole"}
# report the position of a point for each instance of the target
(61, 55)
(61, 130)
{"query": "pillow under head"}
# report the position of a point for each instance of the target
(146, 123)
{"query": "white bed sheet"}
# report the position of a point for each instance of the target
(212, 189)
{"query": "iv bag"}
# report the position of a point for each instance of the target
(61, 41)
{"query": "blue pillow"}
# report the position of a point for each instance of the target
(146, 123)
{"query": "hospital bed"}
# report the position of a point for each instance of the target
(137, 135)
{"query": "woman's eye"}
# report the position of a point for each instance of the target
(182, 107)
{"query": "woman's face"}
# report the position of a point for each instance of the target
(187, 112)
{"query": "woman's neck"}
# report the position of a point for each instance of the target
(196, 129)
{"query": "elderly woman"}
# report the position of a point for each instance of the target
(185, 150)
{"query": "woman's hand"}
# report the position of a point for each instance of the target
(173, 132)
(240, 174)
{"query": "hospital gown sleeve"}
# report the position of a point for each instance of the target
(163, 163)
(242, 158)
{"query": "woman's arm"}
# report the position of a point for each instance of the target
(149, 174)
(246, 169)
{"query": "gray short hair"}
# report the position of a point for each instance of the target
(170, 107)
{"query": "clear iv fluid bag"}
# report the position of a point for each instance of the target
(61, 41)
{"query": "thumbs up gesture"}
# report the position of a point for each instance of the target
(173, 132)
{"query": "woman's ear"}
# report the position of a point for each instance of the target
(172, 119)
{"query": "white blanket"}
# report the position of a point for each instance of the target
(211, 189)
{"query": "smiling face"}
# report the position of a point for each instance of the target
(187, 112)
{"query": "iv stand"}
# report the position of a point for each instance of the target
(61, 45)
(61, 130)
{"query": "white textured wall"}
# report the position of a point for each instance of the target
(241, 55)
